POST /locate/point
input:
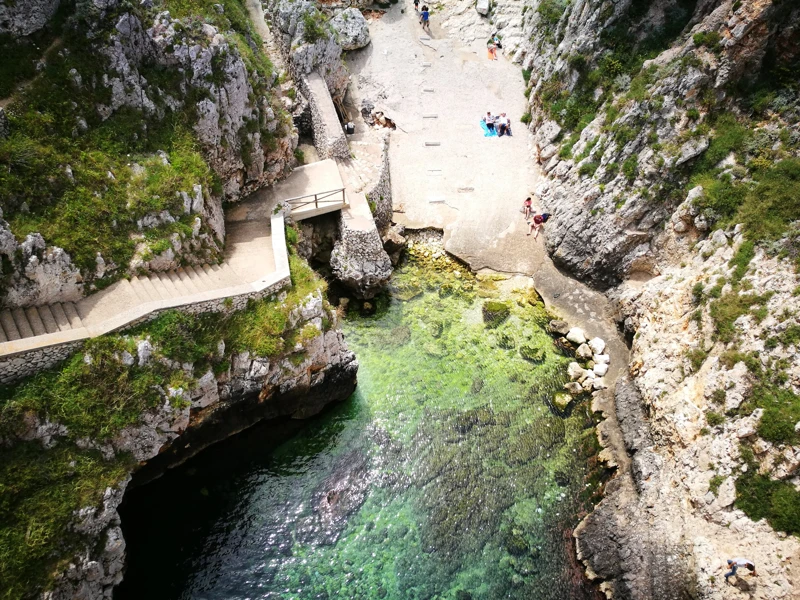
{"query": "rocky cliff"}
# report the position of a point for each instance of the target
(668, 139)
(136, 125)
(153, 397)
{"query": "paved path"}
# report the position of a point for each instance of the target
(445, 174)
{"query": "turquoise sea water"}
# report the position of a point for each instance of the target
(448, 474)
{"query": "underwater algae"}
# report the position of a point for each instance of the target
(448, 474)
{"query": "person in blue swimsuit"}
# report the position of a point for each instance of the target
(423, 18)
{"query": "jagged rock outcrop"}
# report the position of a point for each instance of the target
(24, 18)
(38, 274)
(158, 66)
(352, 30)
(309, 41)
(300, 384)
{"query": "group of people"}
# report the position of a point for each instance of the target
(424, 16)
(499, 125)
(534, 220)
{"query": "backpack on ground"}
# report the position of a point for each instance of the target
(545, 216)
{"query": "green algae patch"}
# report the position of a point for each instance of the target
(495, 312)
(476, 477)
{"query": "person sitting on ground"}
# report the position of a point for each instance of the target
(507, 122)
(423, 18)
(735, 563)
(489, 120)
(527, 207)
(537, 223)
(502, 125)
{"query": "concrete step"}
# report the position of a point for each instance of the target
(61, 318)
(9, 326)
(140, 290)
(178, 283)
(159, 287)
(187, 280)
(48, 319)
(170, 287)
(203, 280)
(21, 320)
(35, 321)
(147, 285)
(72, 315)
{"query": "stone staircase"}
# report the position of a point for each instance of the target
(21, 323)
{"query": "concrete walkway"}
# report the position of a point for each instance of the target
(446, 174)
(254, 261)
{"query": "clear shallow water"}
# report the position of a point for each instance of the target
(446, 475)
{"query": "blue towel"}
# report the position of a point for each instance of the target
(486, 131)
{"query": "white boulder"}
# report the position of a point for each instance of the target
(576, 336)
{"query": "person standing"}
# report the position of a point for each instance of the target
(424, 19)
(416, 6)
(735, 563)
(492, 48)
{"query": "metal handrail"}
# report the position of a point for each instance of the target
(319, 196)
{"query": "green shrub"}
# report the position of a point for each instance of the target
(725, 310)
(714, 483)
(741, 260)
(630, 168)
(697, 292)
(299, 156)
(714, 418)
(314, 26)
(710, 39)
(588, 168)
(729, 136)
(526, 118)
(763, 498)
(696, 356)
(550, 12)
(693, 114)
(781, 413)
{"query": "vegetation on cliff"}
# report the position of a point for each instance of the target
(92, 397)
(97, 152)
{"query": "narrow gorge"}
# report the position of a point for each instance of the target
(272, 325)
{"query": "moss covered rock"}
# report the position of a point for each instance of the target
(495, 312)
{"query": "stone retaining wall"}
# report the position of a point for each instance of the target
(381, 193)
(329, 137)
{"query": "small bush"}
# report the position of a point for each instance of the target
(693, 114)
(526, 118)
(696, 356)
(314, 26)
(710, 39)
(588, 168)
(714, 483)
(630, 168)
(299, 156)
(714, 418)
(763, 498)
(741, 260)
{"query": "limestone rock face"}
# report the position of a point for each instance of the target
(310, 42)
(253, 388)
(40, 274)
(352, 30)
(607, 223)
(26, 17)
